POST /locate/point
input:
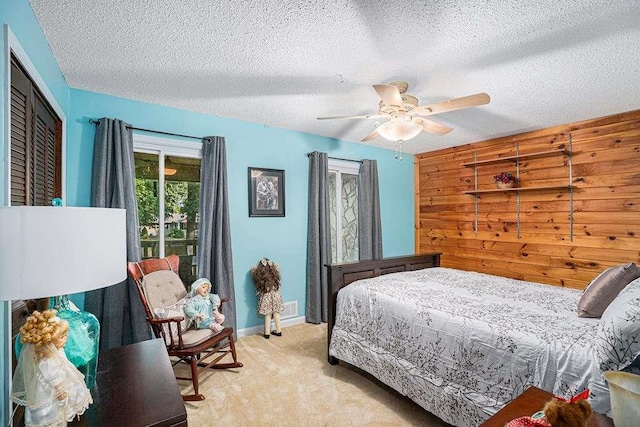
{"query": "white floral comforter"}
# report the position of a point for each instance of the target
(463, 344)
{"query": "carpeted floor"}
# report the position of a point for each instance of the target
(287, 381)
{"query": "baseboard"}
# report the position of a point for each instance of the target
(260, 328)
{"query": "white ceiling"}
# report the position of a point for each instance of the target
(283, 63)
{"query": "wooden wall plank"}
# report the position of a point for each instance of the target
(605, 221)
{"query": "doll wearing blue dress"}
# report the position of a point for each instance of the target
(202, 306)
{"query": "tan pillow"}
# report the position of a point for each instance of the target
(603, 289)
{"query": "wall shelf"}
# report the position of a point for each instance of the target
(498, 190)
(516, 159)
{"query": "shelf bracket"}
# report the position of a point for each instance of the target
(570, 154)
(475, 187)
(518, 184)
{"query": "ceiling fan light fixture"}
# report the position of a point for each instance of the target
(399, 130)
(170, 171)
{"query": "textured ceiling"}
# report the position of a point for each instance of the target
(283, 63)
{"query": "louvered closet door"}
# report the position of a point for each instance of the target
(36, 144)
(20, 134)
(43, 133)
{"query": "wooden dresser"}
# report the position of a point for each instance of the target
(135, 386)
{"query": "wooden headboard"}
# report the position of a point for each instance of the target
(340, 275)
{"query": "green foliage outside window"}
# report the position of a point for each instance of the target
(180, 198)
(176, 233)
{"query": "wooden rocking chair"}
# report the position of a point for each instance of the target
(201, 348)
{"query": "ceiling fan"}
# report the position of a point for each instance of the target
(406, 117)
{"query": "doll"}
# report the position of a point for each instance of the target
(266, 277)
(51, 389)
(202, 306)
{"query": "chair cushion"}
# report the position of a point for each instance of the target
(604, 288)
(194, 337)
(166, 296)
(162, 289)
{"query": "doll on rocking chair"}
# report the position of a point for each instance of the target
(202, 306)
(266, 277)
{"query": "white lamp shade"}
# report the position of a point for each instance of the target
(48, 251)
(398, 130)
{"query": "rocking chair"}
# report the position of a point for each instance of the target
(162, 291)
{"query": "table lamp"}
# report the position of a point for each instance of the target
(48, 251)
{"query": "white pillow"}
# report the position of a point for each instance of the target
(171, 329)
(618, 336)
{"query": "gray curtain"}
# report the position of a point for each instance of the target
(369, 224)
(214, 232)
(318, 239)
(117, 307)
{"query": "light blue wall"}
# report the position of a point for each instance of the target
(248, 144)
(22, 22)
(282, 239)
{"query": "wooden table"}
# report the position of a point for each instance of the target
(530, 402)
(135, 386)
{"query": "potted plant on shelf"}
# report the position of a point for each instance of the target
(504, 180)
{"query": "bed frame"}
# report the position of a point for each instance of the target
(340, 275)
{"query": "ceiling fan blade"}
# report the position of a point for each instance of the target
(364, 116)
(432, 127)
(389, 94)
(452, 104)
(372, 135)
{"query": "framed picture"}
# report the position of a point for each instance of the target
(266, 192)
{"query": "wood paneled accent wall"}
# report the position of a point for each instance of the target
(604, 170)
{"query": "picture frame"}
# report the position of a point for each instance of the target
(266, 192)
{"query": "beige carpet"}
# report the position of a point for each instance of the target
(287, 381)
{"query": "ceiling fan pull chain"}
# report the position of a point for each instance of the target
(398, 155)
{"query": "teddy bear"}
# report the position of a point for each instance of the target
(559, 412)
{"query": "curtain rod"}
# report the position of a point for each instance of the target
(339, 158)
(97, 122)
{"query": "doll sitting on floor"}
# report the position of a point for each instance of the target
(51, 389)
(202, 306)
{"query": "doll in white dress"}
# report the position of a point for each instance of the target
(51, 389)
(202, 306)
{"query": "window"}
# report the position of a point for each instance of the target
(168, 181)
(343, 210)
(36, 143)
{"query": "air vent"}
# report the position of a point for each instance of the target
(290, 310)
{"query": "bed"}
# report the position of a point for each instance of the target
(463, 344)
